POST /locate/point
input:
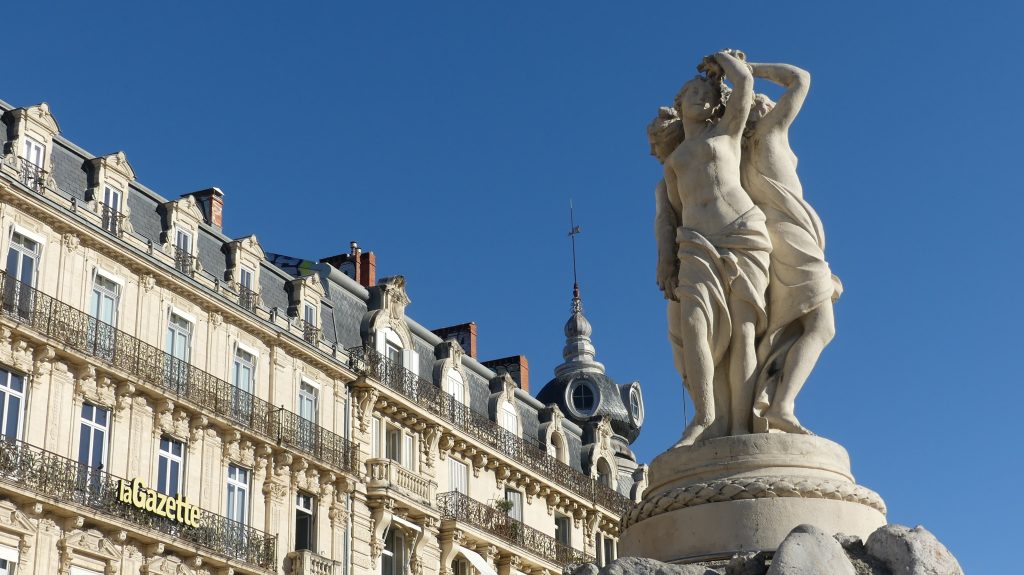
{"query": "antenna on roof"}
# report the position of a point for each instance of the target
(573, 230)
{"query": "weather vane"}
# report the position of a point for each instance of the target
(573, 230)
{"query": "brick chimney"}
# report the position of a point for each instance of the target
(358, 265)
(516, 366)
(464, 333)
(211, 202)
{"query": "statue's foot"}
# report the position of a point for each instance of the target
(691, 434)
(786, 422)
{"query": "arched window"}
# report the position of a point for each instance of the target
(556, 448)
(604, 473)
(636, 406)
(456, 387)
(509, 418)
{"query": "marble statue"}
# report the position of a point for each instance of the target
(720, 274)
(740, 253)
(801, 287)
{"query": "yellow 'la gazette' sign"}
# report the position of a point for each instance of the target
(136, 494)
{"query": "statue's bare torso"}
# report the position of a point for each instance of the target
(704, 185)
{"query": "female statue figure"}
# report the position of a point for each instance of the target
(802, 288)
(720, 272)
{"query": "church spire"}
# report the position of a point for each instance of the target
(579, 350)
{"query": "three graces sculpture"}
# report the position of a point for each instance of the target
(740, 252)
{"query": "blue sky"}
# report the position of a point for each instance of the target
(449, 139)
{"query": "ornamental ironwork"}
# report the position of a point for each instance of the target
(65, 480)
(459, 507)
(83, 333)
(432, 398)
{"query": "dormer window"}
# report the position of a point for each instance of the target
(110, 210)
(33, 152)
(509, 418)
(183, 251)
(310, 332)
(246, 291)
(456, 387)
(393, 353)
(33, 131)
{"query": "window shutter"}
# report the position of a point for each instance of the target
(380, 341)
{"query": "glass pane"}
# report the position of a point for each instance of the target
(12, 263)
(97, 448)
(83, 444)
(17, 382)
(101, 416)
(161, 475)
(12, 416)
(28, 266)
(175, 473)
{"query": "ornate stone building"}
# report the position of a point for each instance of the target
(175, 401)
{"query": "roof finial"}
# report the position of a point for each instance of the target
(577, 305)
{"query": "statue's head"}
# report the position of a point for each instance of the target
(665, 133)
(701, 99)
(759, 108)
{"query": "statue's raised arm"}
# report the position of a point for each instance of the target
(739, 75)
(797, 83)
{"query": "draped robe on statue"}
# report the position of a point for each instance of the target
(801, 279)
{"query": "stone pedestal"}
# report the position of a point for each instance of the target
(746, 493)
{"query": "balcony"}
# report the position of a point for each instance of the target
(66, 481)
(32, 176)
(388, 474)
(112, 220)
(310, 332)
(147, 364)
(458, 507)
(248, 299)
(430, 397)
(308, 563)
(184, 261)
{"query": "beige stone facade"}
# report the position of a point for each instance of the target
(120, 360)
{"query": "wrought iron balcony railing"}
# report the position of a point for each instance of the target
(310, 332)
(184, 261)
(440, 403)
(151, 365)
(67, 481)
(32, 175)
(111, 220)
(457, 506)
(248, 299)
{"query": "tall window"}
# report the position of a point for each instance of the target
(609, 550)
(183, 251)
(103, 303)
(309, 329)
(458, 476)
(92, 444)
(563, 530)
(238, 494)
(12, 399)
(509, 418)
(246, 292)
(170, 466)
(22, 262)
(8, 567)
(393, 444)
(393, 559)
(308, 401)
(111, 209)
(303, 521)
(179, 345)
(460, 566)
(516, 498)
(32, 164)
(243, 373)
(604, 473)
